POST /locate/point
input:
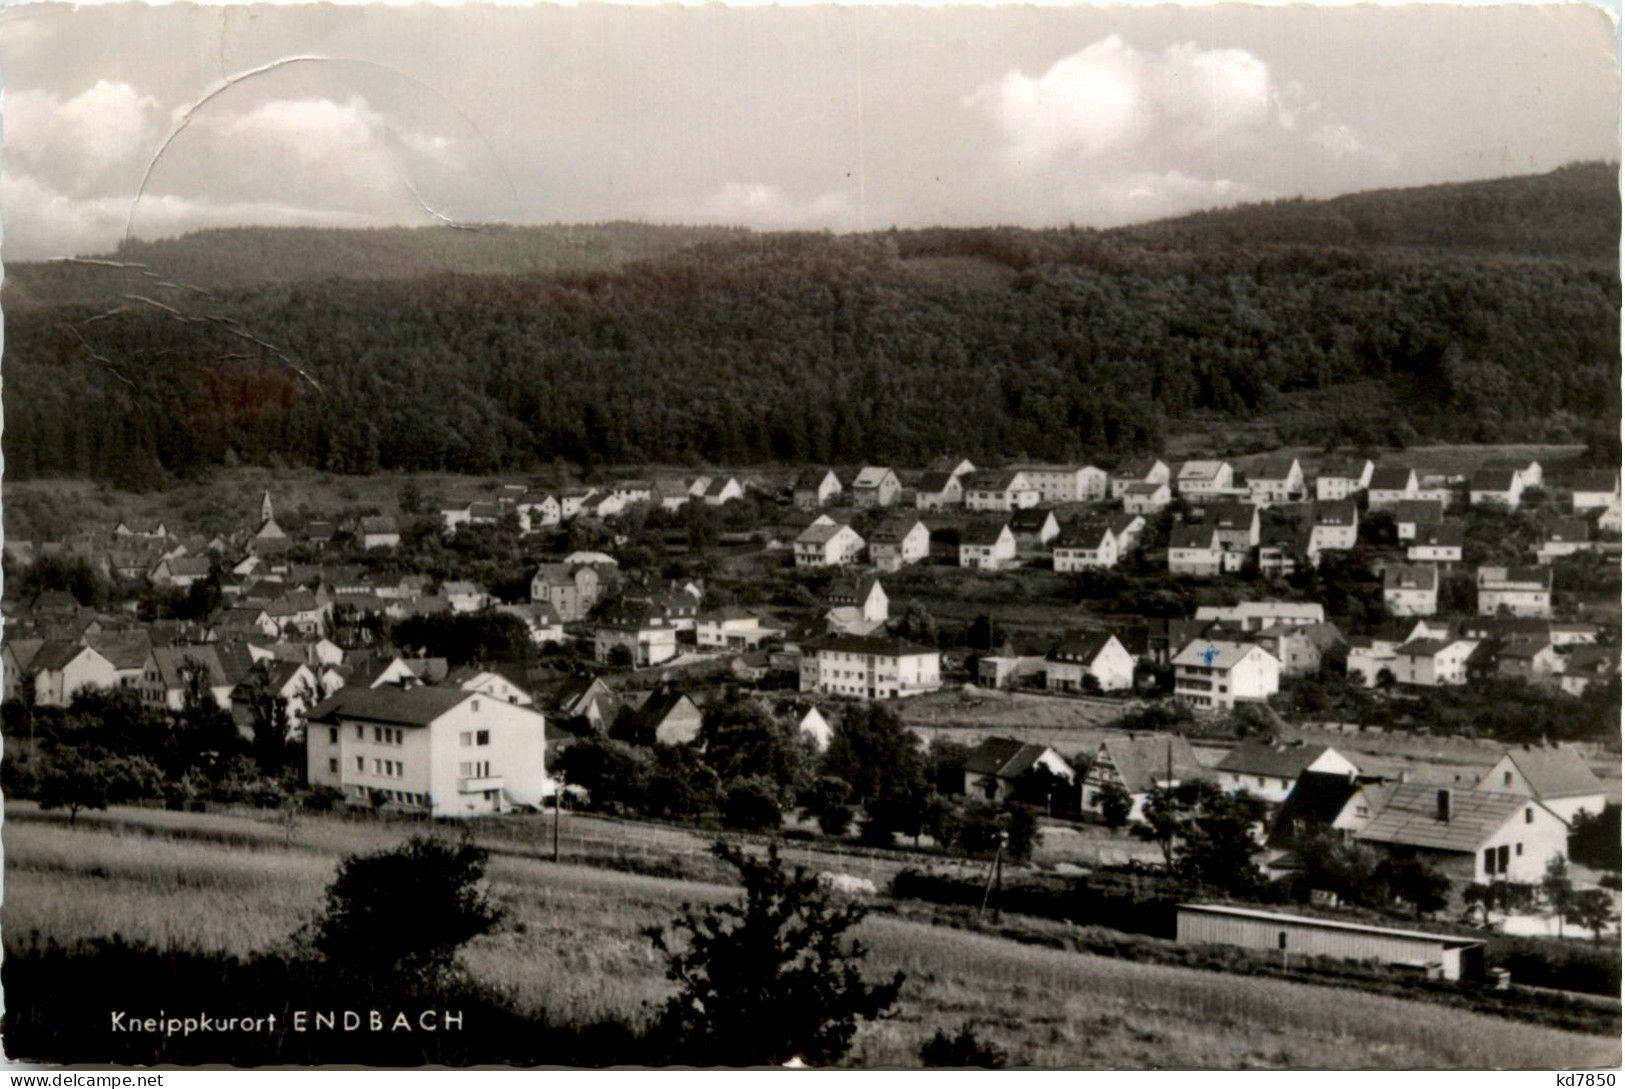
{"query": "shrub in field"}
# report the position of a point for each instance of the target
(962, 1050)
(404, 913)
(752, 805)
(74, 778)
(771, 979)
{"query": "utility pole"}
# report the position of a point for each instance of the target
(558, 790)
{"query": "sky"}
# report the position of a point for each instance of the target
(158, 120)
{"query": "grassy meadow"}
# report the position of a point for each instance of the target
(573, 945)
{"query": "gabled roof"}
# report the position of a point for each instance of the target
(1003, 757)
(1201, 470)
(24, 651)
(1592, 661)
(126, 650)
(1142, 761)
(1557, 771)
(813, 478)
(1419, 511)
(1030, 520)
(884, 646)
(849, 588)
(1440, 535)
(1084, 648)
(1216, 653)
(1135, 468)
(187, 566)
(1341, 512)
(1596, 480)
(821, 533)
(1392, 478)
(1280, 760)
(1492, 480)
(983, 533)
(1193, 536)
(1538, 577)
(379, 523)
(991, 480)
(1316, 800)
(1087, 535)
(1145, 488)
(870, 476)
(1232, 515)
(893, 530)
(1274, 468)
(56, 654)
(172, 663)
(396, 706)
(1411, 818)
(935, 482)
(1564, 530)
(1344, 468)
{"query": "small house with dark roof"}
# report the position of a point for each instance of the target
(1269, 770)
(1095, 662)
(995, 768)
(1515, 591)
(987, 546)
(1563, 537)
(1137, 471)
(1411, 514)
(1001, 490)
(1594, 489)
(875, 486)
(1410, 589)
(937, 490)
(1277, 479)
(1495, 488)
(815, 488)
(1140, 764)
(1390, 484)
(666, 717)
(1437, 543)
(1342, 478)
(1091, 545)
(1476, 836)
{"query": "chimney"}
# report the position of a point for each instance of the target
(1444, 805)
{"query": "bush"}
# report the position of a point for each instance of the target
(963, 1050)
(752, 805)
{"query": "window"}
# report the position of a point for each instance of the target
(333, 766)
(360, 764)
(1502, 857)
(1489, 862)
(1518, 850)
(474, 705)
(1506, 778)
(332, 735)
(1529, 815)
(482, 737)
(360, 733)
(1280, 940)
(465, 739)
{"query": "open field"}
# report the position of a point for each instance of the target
(573, 946)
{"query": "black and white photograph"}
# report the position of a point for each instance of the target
(993, 536)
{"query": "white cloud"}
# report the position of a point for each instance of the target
(755, 204)
(1143, 195)
(85, 143)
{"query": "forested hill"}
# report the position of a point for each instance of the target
(682, 345)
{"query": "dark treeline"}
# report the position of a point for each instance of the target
(814, 348)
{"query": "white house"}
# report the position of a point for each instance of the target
(813, 723)
(1412, 514)
(1390, 484)
(1410, 589)
(1084, 547)
(864, 595)
(1342, 479)
(937, 490)
(62, 669)
(1563, 537)
(1432, 663)
(1334, 526)
(1270, 770)
(1439, 543)
(643, 630)
(379, 531)
(442, 751)
(995, 769)
(1199, 481)
(1194, 550)
(1140, 764)
(722, 489)
(1469, 835)
(1557, 776)
(732, 628)
(1216, 673)
(1519, 591)
(828, 545)
(1146, 498)
(1063, 483)
(1239, 526)
(1495, 488)
(1138, 471)
(1595, 490)
(898, 542)
(1276, 480)
(871, 667)
(816, 488)
(875, 486)
(1034, 528)
(987, 546)
(1099, 656)
(999, 490)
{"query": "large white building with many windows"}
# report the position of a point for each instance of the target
(444, 751)
(870, 667)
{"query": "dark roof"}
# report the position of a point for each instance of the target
(990, 480)
(1537, 576)
(1411, 817)
(56, 654)
(1087, 535)
(379, 524)
(1401, 576)
(1030, 520)
(982, 533)
(1188, 536)
(1273, 468)
(1003, 757)
(1440, 535)
(1136, 468)
(1419, 510)
(1596, 480)
(934, 482)
(1340, 512)
(1316, 800)
(1492, 480)
(873, 644)
(1559, 530)
(1232, 515)
(1084, 648)
(1142, 761)
(1391, 477)
(893, 530)
(812, 478)
(1279, 761)
(400, 706)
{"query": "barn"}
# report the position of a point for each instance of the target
(1436, 956)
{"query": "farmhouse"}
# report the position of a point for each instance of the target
(1470, 835)
(1557, 776)
(1213, 674)
(1515, 591)
(180, 572)
(987, 546)
(719, 490)
(1271, 770)
(1140, 764)
(63, 669)
(875, 486)
(1410, 590)
(440, 750)
(870, 667)
(1095, 662)
(1433, 956)
(995, 768)
(1092, 545)
(999, 490)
